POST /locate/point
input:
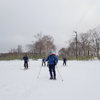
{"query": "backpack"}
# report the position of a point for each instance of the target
(53, 58)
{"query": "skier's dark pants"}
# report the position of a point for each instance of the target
(52, 68)
(64, 63)
(26, 64)
(43, 63)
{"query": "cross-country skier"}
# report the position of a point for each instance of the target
(52, 61)
(25, 58)
(64, 61)
(43, 61)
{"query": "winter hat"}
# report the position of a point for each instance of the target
(50, 51)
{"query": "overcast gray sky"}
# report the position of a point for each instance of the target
(20, 20)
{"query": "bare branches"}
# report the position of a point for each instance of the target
(18, 50)
(88, 44)
(42, 45)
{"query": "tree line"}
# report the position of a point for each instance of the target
(87, 44)
(41, 46)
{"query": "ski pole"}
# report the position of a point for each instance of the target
(66, 64)
(39, 72)
(59, 73)
(29, 63)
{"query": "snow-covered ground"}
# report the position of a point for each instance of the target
(81, 81)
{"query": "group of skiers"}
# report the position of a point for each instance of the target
(52, 62)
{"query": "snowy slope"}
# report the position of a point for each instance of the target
(81, 81)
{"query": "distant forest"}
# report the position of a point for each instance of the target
(82, 45)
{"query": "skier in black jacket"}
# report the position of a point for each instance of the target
(64, 61)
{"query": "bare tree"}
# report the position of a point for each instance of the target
(96, 42)
(19, 49)
(72, 45)
(42, 45)
(13, 50)
(62, 52)
(48, 42)
(30, 48)
(39, 45)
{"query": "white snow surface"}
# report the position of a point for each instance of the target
(81, 81)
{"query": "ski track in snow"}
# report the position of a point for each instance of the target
(81, 81)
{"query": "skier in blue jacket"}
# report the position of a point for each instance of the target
(52, 61)
(25, 58)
